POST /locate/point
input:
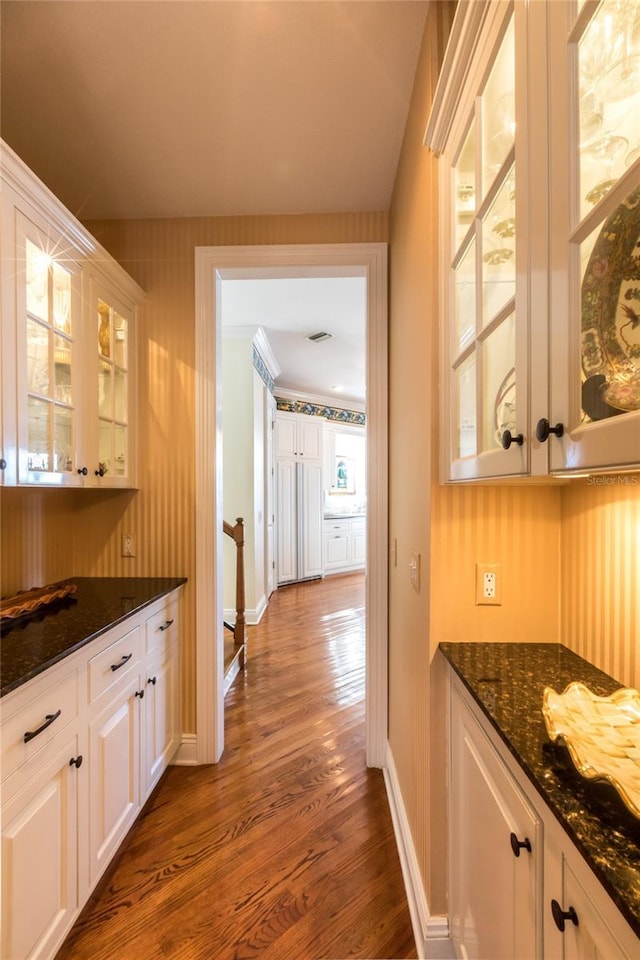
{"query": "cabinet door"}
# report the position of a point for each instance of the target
(40, 858)
(111, 391)
(484, 283)
(311, 542)
(358, 547)
(336, 552)
(287, 525)
(495, 895)
(595, 231)
(49, 347)
(114, 774)
(310, 430)
(160, 717)
(286, 435)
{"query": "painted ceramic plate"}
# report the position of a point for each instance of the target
(602, 735)
(611, 312)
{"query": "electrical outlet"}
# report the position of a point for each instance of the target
(128, 545)
(488, 586)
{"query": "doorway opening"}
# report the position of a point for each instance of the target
(213, 266)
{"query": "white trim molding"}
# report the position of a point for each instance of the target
(187, 754)
(214, 264)
(431, 933)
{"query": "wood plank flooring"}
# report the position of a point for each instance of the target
(284, 850)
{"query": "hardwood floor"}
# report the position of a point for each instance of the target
(284, 850)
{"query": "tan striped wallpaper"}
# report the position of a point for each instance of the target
(50, 534)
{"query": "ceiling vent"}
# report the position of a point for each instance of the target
(317, 337)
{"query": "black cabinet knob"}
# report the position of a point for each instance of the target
(140, 693)
(99, 472)
(508, 438)
(518, 845)
(76, 761)
(560, 915)
(83, 471)
(3, 463)
(152, 680)
(544, 428)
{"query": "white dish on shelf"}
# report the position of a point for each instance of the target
(602, 735)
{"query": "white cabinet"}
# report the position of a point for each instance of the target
(299, 524)
(539, 217)
(83, 745)
(299, 435)
(68, 344)
(518, 885)
(344, 544)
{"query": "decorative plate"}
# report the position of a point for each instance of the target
(611, 314)
(602, 735)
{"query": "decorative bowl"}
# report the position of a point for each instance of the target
(602, 735)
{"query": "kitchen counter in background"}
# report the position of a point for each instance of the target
(507, 681)
(31, 644)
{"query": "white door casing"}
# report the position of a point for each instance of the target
(212, 265)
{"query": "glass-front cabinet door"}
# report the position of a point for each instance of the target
(112, 332)
(49, 341)
(483, 222)
(595, 235)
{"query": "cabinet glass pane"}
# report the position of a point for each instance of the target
(105, 392)
(120, 395)
(609, 106)
(465, 186)
(466, 400)
(37, 281)
(105, 452)
(465, 298)
(38, 434)
(499, 250)
(119, 451)
(610, 314)
(499, 383)
(37, 358)
(498, 110)
(104, 329)
(62, 369)
(119, 340)
(61, 298)
(62, 439)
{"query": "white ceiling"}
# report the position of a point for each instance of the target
(170, 108)
(289, 310)
(167, 108)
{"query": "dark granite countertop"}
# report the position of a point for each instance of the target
(507, 681)
(31, 644)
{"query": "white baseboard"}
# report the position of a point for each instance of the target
(431, 933)
(187, 753)
(252, 615)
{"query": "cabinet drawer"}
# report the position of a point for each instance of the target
(48, 711)
(162, 628)
(332, 527)
(359, 525)
(114, 662)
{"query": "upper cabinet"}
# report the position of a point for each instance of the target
(540, 338)
(68, 345)
(299, 436)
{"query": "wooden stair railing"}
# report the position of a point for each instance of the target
(236, 532)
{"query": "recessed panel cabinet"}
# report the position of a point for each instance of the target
(535, 123)
(68, 345)
(518, 885)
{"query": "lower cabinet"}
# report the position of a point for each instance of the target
(516, 878)
(344, 544)
(83, 745)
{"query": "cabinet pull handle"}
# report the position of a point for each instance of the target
(508, 438)
(152, 680)
(3, 463)
(49, 718)
(83, 471)
(76, 761)
(518, 845)
(544, 428)
(125, 659)
(166, 625)
(140, 693)
(560, 915)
